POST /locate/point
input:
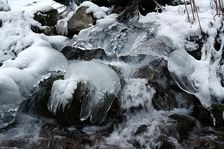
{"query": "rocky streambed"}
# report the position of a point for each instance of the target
(112, 83)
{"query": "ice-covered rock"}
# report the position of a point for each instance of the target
(114, 38)
(38, 61)
(19, 76)
(190, 74)
(101, 81)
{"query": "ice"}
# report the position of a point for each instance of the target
(190, 74)
(61, 94)
(114, 38)
(102, 82)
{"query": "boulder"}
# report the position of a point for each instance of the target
(47, 16)
(80, 20)
(81, 97)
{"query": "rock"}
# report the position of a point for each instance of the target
(81, 96)
(202, 115)
(218, 112)
(72, 53)
(185, 124)
(36, 29)
(164, 100)
(64, 2)
(0, 23)
(207, 143)
(71, 114)
(154, 72)
(141, 129)
(80, 20)
(165, 143)
(47, 16)
(50, 30)
(36, 104)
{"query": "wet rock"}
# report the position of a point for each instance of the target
(185, 124)
(159, 78)
(165, 143)
(164, 100)
(7, 119)
(194, 44)
(207, 143)
(50, 30)
(36, 29)
(202, 115)
(80, 20)
(218, 112)
(47, 16)
(71, 114)
(141, 129)
(72, 53)
(36, 104)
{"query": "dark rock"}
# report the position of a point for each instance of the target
(0, 23)
(165, 143)
(207, 143)
(141, 129)
(80, 20)
(64, 2)
(71, 114)
(36, 29)
(202, 114)
(47, 17)
(159, 78)
(36, 104)
(50, 30)
(185, 124)
(164, 100)
(75, 53)
(217, 110)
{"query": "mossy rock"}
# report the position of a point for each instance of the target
(48, 17)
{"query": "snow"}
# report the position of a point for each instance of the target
(98, 12)
(4, 6)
